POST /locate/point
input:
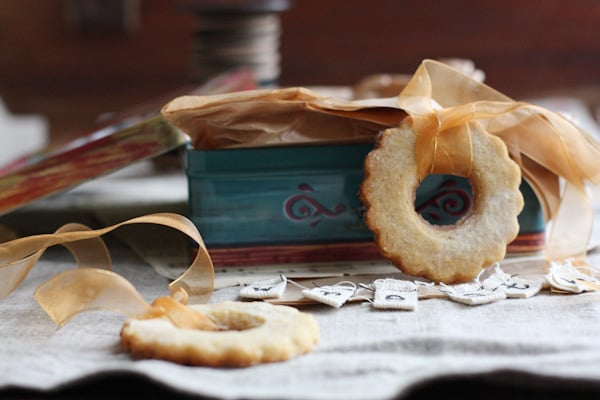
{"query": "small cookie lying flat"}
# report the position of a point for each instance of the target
(251, 333)
(452, 253)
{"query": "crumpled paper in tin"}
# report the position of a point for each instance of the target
(276, 117)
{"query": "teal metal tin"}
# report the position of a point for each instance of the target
(309, 194)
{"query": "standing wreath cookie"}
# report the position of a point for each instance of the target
(448, 253)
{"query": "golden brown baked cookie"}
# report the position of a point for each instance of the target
(250, 333)
(452, 253)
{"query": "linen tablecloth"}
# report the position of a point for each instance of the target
(549, 343)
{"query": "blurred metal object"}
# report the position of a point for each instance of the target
(236, 34)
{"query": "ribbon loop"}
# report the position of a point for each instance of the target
(84, 289)
(93, 285)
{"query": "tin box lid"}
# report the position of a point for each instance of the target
(133, 135)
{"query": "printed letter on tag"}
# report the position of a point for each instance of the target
(473, 294)
(566, 278)
(513, 287)
(267, 289)
(395, 294)
(334, 296)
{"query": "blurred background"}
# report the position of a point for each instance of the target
(65, 62)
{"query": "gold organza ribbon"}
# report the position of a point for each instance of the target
(93, 285)
(556, 158)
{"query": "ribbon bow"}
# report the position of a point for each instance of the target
(556, 157)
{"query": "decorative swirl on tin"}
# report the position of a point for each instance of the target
(301, 206)
(447, 206)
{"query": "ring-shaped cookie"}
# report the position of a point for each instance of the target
(451, 253)
(251, 333)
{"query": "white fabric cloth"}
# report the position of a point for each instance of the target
(363, 353)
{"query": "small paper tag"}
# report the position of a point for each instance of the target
(334, 295)
(267, 289)
(512, 286)
(563, 276)
(395, 294)
(473, 294)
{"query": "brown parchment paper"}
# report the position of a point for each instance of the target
(277, 117)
